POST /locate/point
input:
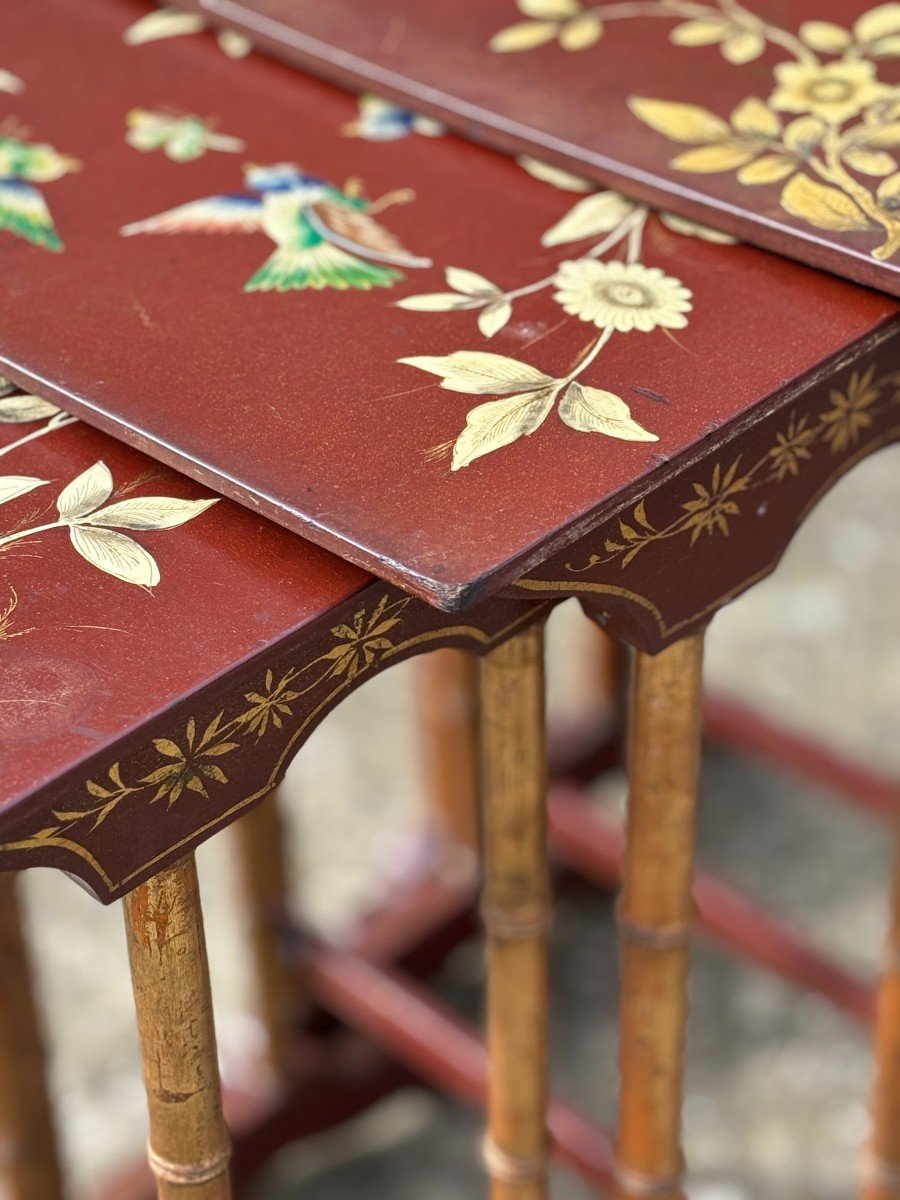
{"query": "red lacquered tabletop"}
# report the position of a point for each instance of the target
(407, 348)
(774, 119)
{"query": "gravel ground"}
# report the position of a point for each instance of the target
(776, 1080)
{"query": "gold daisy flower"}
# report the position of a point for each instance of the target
(835, 91)
(621, 296)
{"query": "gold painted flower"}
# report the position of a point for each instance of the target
(363, 643)
(791, 448)
(188, 768)
(849, 414)
(710, 509)
(622, 296)
(271, 707)
(834, 91)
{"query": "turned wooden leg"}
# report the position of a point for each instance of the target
(189, 1145)
(881, 1163)
(448, 704)
(29, 1165)
(263, 870)
(655, 915)
(516, 912)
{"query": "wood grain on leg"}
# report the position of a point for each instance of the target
(655, 914)
(189, 1147)
(516, 911)
(448, 705)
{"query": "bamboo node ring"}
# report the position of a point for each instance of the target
(635, 1183)
(508, 1168)
(654, 937)
(187, 1174)
(515, 926)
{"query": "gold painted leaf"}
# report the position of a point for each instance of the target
(477, 373)
(524, 35)
(886, 48)
(164, 23)
(582, 32)
(720, 156)
(882, 136)
(592, 410)
(879, 22)
(869, 162)
(435, 302)
(804, 135)
(470, 282)
(825, 37)
(493, 317)
(699, 33)
(550, 10)
(148, 512)
(234, 44)
(20, 409)
(85, 493)
(556, 176)
(743, 47)
(688, 228)
(681, 122)
(13, 486)
(597, 213)
(116, 555)
(754, 116)
(888, 193)
(822, 206)
(496, 424)
(769, 169)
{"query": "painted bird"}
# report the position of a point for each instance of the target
(23, 209)
(325, 236)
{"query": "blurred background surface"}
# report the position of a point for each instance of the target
(776, 1080)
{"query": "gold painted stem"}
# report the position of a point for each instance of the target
(29, 1162)
(449, 711)
(516, 910)
(655, 916)
(259, 842)
(189, 1147)
(881, 1162)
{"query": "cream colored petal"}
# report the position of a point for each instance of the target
(600, 212)
(496, 424)
(13, 486)
(721, 156)
(469, 282)
(550, 10)
(148, 512)
(879, 22)
(18, 409)
(564, 180)
(822, 206)
(743, 47)
(701, 32)
(769, 169)
(591, 410)
(690, 228)
(869, 162)
(478, 373)
(825, 37)
(116, 555)
(164, 23)
(525, 35)
(492, 318)
(582, 32)
(85, 493)
(682, 122)
(754, 116)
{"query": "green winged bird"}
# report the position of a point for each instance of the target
(325, 237)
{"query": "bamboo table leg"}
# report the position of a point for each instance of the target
(263, 870)
(29, 1165)
(448, 701)
(516, 911)
(189, 1147)
(655, 917)
(881, 1165)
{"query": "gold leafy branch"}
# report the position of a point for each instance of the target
(716, 503)
(194, 763)
(844, 126)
